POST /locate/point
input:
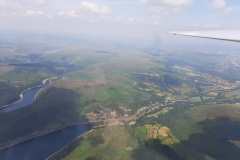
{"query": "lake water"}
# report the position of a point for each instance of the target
(40, 148)
(28, 98)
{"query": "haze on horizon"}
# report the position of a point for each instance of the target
(137, 18)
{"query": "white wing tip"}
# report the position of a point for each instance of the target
(229, 35)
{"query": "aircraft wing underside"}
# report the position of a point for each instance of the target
(229, 35)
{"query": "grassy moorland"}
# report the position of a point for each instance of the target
(14, 80)
(177, 100)
(68, 100)
(117, 142)
(165, 103)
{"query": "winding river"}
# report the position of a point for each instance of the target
(28, 97)
(41, 147)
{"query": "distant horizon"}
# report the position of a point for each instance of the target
(137, 18)
(155, 41)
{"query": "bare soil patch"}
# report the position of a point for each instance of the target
(162, 131)
(237, 143)
(160, 94)
(213, 93)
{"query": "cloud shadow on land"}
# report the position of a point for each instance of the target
(154, 149)
(217, 142)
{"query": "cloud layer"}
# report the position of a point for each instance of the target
(161, 8)
(173, 3)
(208, 26)
(32, 13)
(33, 2)
(121, 17)
(217, 4)
(94, 8)
(70, 14)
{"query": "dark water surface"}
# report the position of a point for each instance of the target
(40, 148)
(28, 98)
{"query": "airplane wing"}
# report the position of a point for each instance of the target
(228, 35)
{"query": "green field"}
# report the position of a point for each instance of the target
(14, 80)
(165, 103)
(118, 142)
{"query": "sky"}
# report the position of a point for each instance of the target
(135, 18)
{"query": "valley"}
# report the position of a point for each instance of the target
(140, 105)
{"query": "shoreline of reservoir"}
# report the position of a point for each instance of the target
(21, 94)
(44, 81)
(68, 144)
(40, 134)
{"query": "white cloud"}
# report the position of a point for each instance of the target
(32, 2)
(212, 26)
(3, 3)
(118, 18)
(209, 26)
(36, 2)
(30, 13)
(217, 4)
(131, 20)
(105, 16)
(156, 23)
(91, 20)
(195, 25)
(161, 11)
(94, 8)
(34, 13)
(15, 14)
(69, 14)
(157, 17)
(178, 3)
(178, 9)
(40, 3)
(228, 11)
(2, 14)
(13, 4)
(161, 8)
(49, 16)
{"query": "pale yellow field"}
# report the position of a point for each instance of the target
(213, 93)
(162, 131)
(192, 74)
(160, 94)
(163, 111)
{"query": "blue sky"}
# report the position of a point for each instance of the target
(139, 18)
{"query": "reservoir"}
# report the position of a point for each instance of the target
(28, 98)
(40, 148)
